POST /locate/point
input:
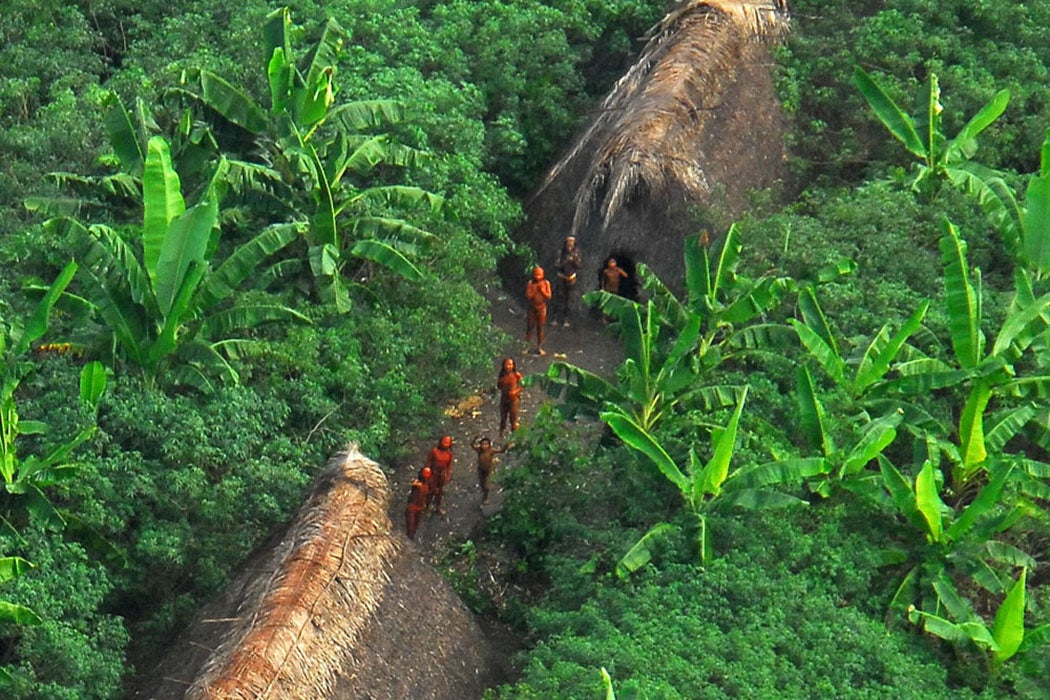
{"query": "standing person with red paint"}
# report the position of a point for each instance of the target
(537, 294)
(439, 461)
(417, 501)
(509, 384)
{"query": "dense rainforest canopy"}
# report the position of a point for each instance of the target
(235, 238)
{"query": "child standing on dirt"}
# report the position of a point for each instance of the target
(486, 463)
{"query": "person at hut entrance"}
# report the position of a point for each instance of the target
(486, 463)
(537, 294)
(509, 384)
(439, 461)
(612, 277)
(417, 501)
(568, 266)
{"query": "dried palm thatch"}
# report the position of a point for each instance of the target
(296, 626)
(645, 138)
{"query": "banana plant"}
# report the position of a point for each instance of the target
(1024, 228)
(671, 345)
(872, 366)
(726, 307)
(320, 156)
(707, 487)
(164, 310)
(842, 465)
(941, 542)
(1006, 637)
(988, 372)
(939, 158)
(649, 383)
(24, 478)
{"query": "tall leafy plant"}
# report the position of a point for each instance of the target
(165, 310)
(939, 158)
(672, 345)
(26, 477)
(985, 371)
(714, 485)
(321, 158)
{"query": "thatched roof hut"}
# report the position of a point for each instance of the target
(340, 607)
(690, 129)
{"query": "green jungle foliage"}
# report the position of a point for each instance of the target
(849, 318)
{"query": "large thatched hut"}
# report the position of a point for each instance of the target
(676, 145)
(339, 607)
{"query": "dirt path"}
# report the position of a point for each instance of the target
(585, 344)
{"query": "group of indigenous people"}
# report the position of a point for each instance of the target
(428, 488)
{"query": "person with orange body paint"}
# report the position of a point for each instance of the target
(439, 461)
(417, 501)
(537, 294)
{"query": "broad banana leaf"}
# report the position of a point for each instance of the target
(185, 245)
(901, 492)
(725, 269)
(759, 298)
(883, 351)
(11, 567)
(929, 503)
(367, 114)
(1036, 218)
(1006, 427)
(1008, 627)
(716, 470)
(813, 317)
(823, 353)
(385, 254)
(964, 145)
(37, 324)
(232, 104)
(971, 431)
(610, 694)
(388, 229)
(963, 305)
(243, 263)
(1022, 326)
(635, 437)
(123, 136)
(222, 323)
(162, 203)
(959, 634)
(760, 499)
(893, 117)
(641, 552)
(958, 607)
(986, 500)
(398, 196)
(811, 415)
(787, 471)
(92, 383)
(14, 614)
(1005, 553)
(878, 435)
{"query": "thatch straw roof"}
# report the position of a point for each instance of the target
(694, 122)
(313, 616)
